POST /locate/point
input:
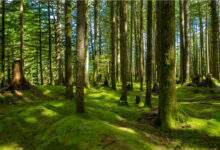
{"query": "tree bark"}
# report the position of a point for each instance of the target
(123, 50)
(201, 45)
(141, 48)
(68, 53)
(58, 44)
(40, 44)
(113, 49)
(149, 55)
(50, 44)
(81, 53)
(131, 44)
(96, 53)
(167, 87)
(214, 39)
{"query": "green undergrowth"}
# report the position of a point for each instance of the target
(43, 119)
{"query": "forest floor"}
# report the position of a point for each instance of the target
(45, 120)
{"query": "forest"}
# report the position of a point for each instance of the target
(109, 74)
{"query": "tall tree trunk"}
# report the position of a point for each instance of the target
(40, 44)
(96, 53)
(184, 58)
(50, 43)
(141, 47)
(58, 44)
(167, 96)
(149, 54)
(123, 49)
(201, 44)
(137, 65)
(21, 19)
(131, 44)
(117, 33)
(214, 39)
(68, 53)
(207, 45)
(113, 49)
(87, 53)
(3, 45)
(81, 53)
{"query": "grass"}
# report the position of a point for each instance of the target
(45, 120)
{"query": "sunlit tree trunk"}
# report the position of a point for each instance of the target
(123, 49)
(40, 44)
(149, 55)
(68, 54)
(167, 96)
(201, 45)
(81, 53)
(214, 39)
(113, 49)
(50, 44)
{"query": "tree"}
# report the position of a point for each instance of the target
(123, 50)
(50, 43)
(95, 54)
(167, 87)
(40, 43)
(58, 43)
(113, 49)
(184, 62)
(131, 44)
(21, 19)
(141, 48)
(149, 55)
(214, 39)
(81, 53)
(3, 45)
(68, 54)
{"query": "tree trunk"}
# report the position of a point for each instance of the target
(167, 86)
(131, 44)
(214, 39)
(81, 53)
(201, 45)
(123, 50)
(96, 54)
(184, 66)
(149, 55)
(141, 48)
(50, 44)
(113, 51)
(21, 19)
(3, 45)
(40, 44)
(68, 53)
(87, 53)
(58, 44)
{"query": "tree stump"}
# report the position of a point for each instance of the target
(18, 81)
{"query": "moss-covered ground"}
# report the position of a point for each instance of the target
(45, 120)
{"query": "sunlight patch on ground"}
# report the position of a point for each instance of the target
(31, 119)
(12, 146)
(122, 128)
(48, 112)
(57, 104)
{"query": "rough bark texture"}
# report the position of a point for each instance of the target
(149, 54)
(167, 96)
(131, 44)
(50, 45)
(58, 44)
(202, 64)
(68, 54)
(123, 50)
(214, 39)
(81, 53)
(113, 49)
